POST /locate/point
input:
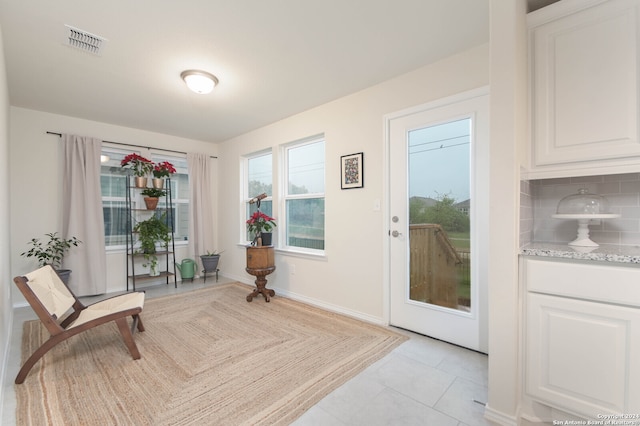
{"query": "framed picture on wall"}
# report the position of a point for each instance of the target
(352, 171)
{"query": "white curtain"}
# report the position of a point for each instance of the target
(201, 210)
(82, 215)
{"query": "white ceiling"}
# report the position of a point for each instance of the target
(274, 58)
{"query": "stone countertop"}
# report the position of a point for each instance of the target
(604, 253)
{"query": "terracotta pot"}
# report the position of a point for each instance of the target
(151, 202)
(158, 183)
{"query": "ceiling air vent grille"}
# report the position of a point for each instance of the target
(84, 40)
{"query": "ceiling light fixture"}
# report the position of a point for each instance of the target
(198, 81)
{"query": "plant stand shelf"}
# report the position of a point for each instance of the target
(135, 214)
(205, 272)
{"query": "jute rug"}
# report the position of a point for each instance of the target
(208, 357)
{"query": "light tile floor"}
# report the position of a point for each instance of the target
(421, 382)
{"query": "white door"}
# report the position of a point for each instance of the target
(438, 218)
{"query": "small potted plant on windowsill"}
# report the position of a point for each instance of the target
(52, 252)
(151, 196)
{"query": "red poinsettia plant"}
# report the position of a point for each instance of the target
(163, 170)
(260, 222)
(140, 166)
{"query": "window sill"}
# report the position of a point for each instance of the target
(296, 253)
(123, 248)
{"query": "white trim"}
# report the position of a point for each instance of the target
(457, 98)
(499, 417)
(280, 292)
(330, 307)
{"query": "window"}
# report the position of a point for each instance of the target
(259, 180)
(113, 187)
(304, 195)
(179, 195)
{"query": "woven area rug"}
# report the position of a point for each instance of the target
(208, 357)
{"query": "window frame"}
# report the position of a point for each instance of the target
(163, 156)
(148, 153)
(245, 207)
(285, 197)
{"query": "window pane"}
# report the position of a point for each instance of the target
(305, 223)
(306, 169)
(115, 222)
(259, 176)
(113, 189)
(179, 195)
(439, 188)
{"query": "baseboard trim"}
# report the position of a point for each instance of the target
(315, 302)
(499, 417)
(330, 307)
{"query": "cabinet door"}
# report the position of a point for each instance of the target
(584, 82)
(582, 356)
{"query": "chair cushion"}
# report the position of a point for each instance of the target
(49, 288)
(109, 306)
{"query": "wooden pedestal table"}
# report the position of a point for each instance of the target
(260, 263)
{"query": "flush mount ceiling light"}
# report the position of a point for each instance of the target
(199, 81)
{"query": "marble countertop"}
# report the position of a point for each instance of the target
(604, 253)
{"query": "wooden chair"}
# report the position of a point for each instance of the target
(64, 315)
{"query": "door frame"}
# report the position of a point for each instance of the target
(386, 213)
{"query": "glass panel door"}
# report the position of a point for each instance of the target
(439, 208)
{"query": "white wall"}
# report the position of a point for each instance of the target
(350, 278)
(508, 103)
(35, 185)
(6, 313)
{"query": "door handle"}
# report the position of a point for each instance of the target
(395, 234)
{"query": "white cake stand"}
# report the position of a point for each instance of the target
(583, 239)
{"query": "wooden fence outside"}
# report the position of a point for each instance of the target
(435, 265)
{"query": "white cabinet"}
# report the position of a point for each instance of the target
(584, 98)
(582, 336)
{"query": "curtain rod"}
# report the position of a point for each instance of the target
(135, 146)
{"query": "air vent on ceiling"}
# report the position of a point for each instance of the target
(83, 40)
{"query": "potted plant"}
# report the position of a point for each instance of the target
(151, 196)
(160, 171)
(151, 232)
(140, 166)
(152, 263)
(210, 260)
(52, 252)
(260, 225)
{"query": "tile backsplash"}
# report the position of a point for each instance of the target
(539, 200)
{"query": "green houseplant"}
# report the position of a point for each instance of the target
(151, 260)
(151, 196)
(52, 252)
(151, 232)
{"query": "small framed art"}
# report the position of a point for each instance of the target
(352, 170)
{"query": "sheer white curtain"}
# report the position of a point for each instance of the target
(201, 209)
(82, 214)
